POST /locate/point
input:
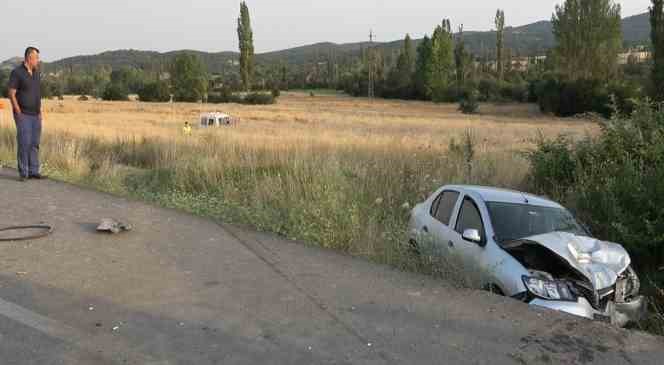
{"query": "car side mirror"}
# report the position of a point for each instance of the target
(472, 235)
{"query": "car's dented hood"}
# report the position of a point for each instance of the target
(601, 262)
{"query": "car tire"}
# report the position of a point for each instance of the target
(413, 247)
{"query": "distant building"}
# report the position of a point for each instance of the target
(519, 64)
(634, 55)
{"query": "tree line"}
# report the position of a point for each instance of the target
(185, 78)
(579, 74)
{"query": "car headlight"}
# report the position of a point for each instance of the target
(549, 289)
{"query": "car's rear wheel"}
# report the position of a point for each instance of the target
(413, 247)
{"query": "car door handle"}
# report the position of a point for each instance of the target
(425, 229)
(450, 243)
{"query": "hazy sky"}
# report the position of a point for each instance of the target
(74, 27)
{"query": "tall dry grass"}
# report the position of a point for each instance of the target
(332, 171)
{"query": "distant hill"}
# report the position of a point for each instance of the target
(139, 59)
(11, 63)
(532, 39)
(636, 29)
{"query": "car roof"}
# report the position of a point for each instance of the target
(498, 195)
(214, 114)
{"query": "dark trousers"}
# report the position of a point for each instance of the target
(28, 136)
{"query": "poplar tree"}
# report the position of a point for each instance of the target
(442, 61)
(423, 69)
(461, 59)
(246, 41)
(500, 37)
(588, 37)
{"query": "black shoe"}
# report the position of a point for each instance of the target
(38, 177)
(22, 179)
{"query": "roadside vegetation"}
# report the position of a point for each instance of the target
(615, 183)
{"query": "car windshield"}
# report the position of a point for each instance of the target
(515, 221)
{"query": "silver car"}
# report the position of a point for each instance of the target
(528, 248)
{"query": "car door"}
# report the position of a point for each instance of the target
(469, 253)
(441, 213)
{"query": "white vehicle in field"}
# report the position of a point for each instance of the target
(216, 119)
(530, 249)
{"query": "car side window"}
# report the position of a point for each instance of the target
(470, 218)
(434, 205)
(445, 207)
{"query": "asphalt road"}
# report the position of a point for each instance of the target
(185, 290)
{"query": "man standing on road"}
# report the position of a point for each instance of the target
(25, 96)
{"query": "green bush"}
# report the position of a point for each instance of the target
(489, 90)
(224, 95)
(115, 92)
(49, 88)
(254, 98)
(223, 98)
(516, 91)
(625, 96)
(547, 95)
(258, 98)
(469, 103)
(570, 98)
(584, 96)
(157, 91)
(493, 90)
(614, 181)
(553, 166)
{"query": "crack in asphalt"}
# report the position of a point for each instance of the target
(255, 247)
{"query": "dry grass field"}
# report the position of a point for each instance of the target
(299, 120)
(334, 171)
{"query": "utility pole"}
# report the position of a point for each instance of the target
(370, 60)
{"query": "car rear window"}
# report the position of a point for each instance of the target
(445, 208)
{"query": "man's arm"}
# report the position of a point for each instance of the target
(13, 86)
(14, 101)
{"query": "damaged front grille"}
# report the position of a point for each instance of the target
(597, 299)
(627, 287)
(586, 291)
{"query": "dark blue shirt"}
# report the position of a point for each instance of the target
(28, 90)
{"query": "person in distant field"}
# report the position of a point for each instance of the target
(25, 97)
(186, 129)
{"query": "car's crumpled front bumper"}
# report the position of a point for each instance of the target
(619, 314)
